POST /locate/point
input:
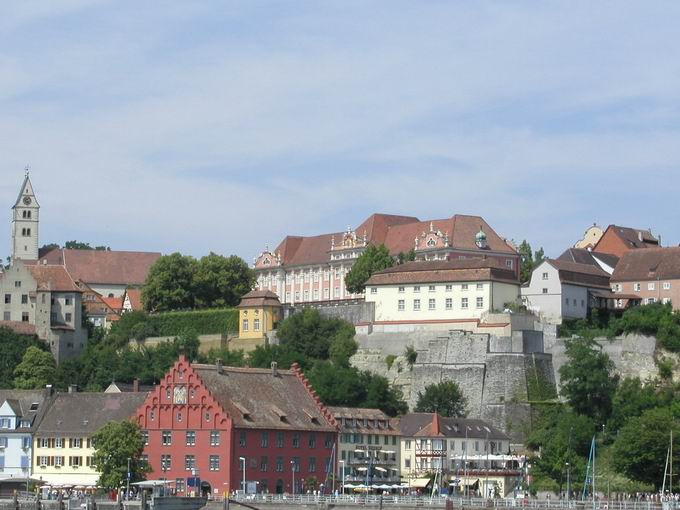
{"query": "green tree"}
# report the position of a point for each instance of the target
(588, 379)
(311, 334)
(382, 395)
(409, 256)
(640, 448)
(37, 368)
(445, 398)
(45, 248)
(170, 284)
(12, 348)
(114, 444)
(374, 258)
(77, 245)
(631, 399)
(529, 260)
(221, 281)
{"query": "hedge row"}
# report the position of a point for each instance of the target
(203, 322)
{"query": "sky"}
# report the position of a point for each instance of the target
(224, 126)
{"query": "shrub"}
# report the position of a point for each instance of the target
(202, 322)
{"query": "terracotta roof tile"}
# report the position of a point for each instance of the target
(257, 398)
(53, 278)
(99, 266)
(259, 298)
(472, 269)
(21, 328)
(421, 425)
(649, 264)
(135, 297)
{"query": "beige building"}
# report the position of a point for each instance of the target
(368, 447)
(648, 276)
(63, 446)
(441, 291)
(590, 238)
(468, 456)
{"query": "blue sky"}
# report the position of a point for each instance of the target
(223, 126)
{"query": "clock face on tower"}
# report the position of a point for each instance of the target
(27, 200)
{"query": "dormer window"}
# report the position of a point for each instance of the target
(34, 406)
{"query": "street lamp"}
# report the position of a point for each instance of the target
(127, 490)
(292, 470)
(243, 461)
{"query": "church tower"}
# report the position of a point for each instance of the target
(25, 223)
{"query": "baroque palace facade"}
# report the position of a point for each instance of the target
(312, 269)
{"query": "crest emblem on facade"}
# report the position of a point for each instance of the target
(180, 395)
(432, 239)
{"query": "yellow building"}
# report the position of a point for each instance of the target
(63, 446)
(259, 314)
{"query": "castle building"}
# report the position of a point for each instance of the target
(227, 425)
(312, 269)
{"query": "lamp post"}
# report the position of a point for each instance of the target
(243, 461)
(127, 490)
(568, 482)
(342, 481)
(292, 470)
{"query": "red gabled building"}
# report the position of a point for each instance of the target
(207, 421)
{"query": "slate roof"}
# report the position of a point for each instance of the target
(86, 413)
(398, 233)
(649, 264)
(259, 298)
(258, 398)
(584, 275)
(100, 266)
(53, 278)
(421, 424)
(437, 271)
(22, 401)
(583, 256)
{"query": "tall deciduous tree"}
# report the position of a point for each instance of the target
(37, 368)
(374, 258)
(641, 446)
(309, 333)
(12, 348)
(588, 379)
(445, 398)
(114, 444)
(170, 284)
(221, 281)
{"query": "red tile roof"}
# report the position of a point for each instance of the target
(398, 233)
(259, 298)
(53, 278)
(135, 297)
(432, 271)
(649, 264)
(21, 328)
(633, 237)
(105, 267)
(585, 275)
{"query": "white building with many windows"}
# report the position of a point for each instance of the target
(441, 291)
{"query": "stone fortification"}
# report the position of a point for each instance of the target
(491, 370)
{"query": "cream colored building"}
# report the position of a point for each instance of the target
(441, 291)
(63, 446)
(590, 237)
(468, 456)
(368, 446)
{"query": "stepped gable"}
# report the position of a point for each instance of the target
(85, 413)
(649, 264)
(464, 270)
(580, 274)
(264, 398)
(103, 266)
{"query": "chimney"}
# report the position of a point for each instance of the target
(135, 385)
(219, 365)
(72, 388)
(275, 368)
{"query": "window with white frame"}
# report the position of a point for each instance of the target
(400, 305)
(480, 286)
(651, 286)
(545, 290)
(666, 300)
(297, 295)
(431, 288)
(245, 325)
(448, 287)
(374, 290)
(256, 324)
(464, 303)
(416, 304)
(306, 294)
(449, 303)
(651, 300)
(416, 288)
(401, 290)
(431, 304)
(316, 294)
(666, 285)
(337, 292)
(480, 302)
(326, 293)
(545, 276)
(508, 263)
(464, 286)
(637, 286)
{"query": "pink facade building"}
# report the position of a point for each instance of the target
(312, 269)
